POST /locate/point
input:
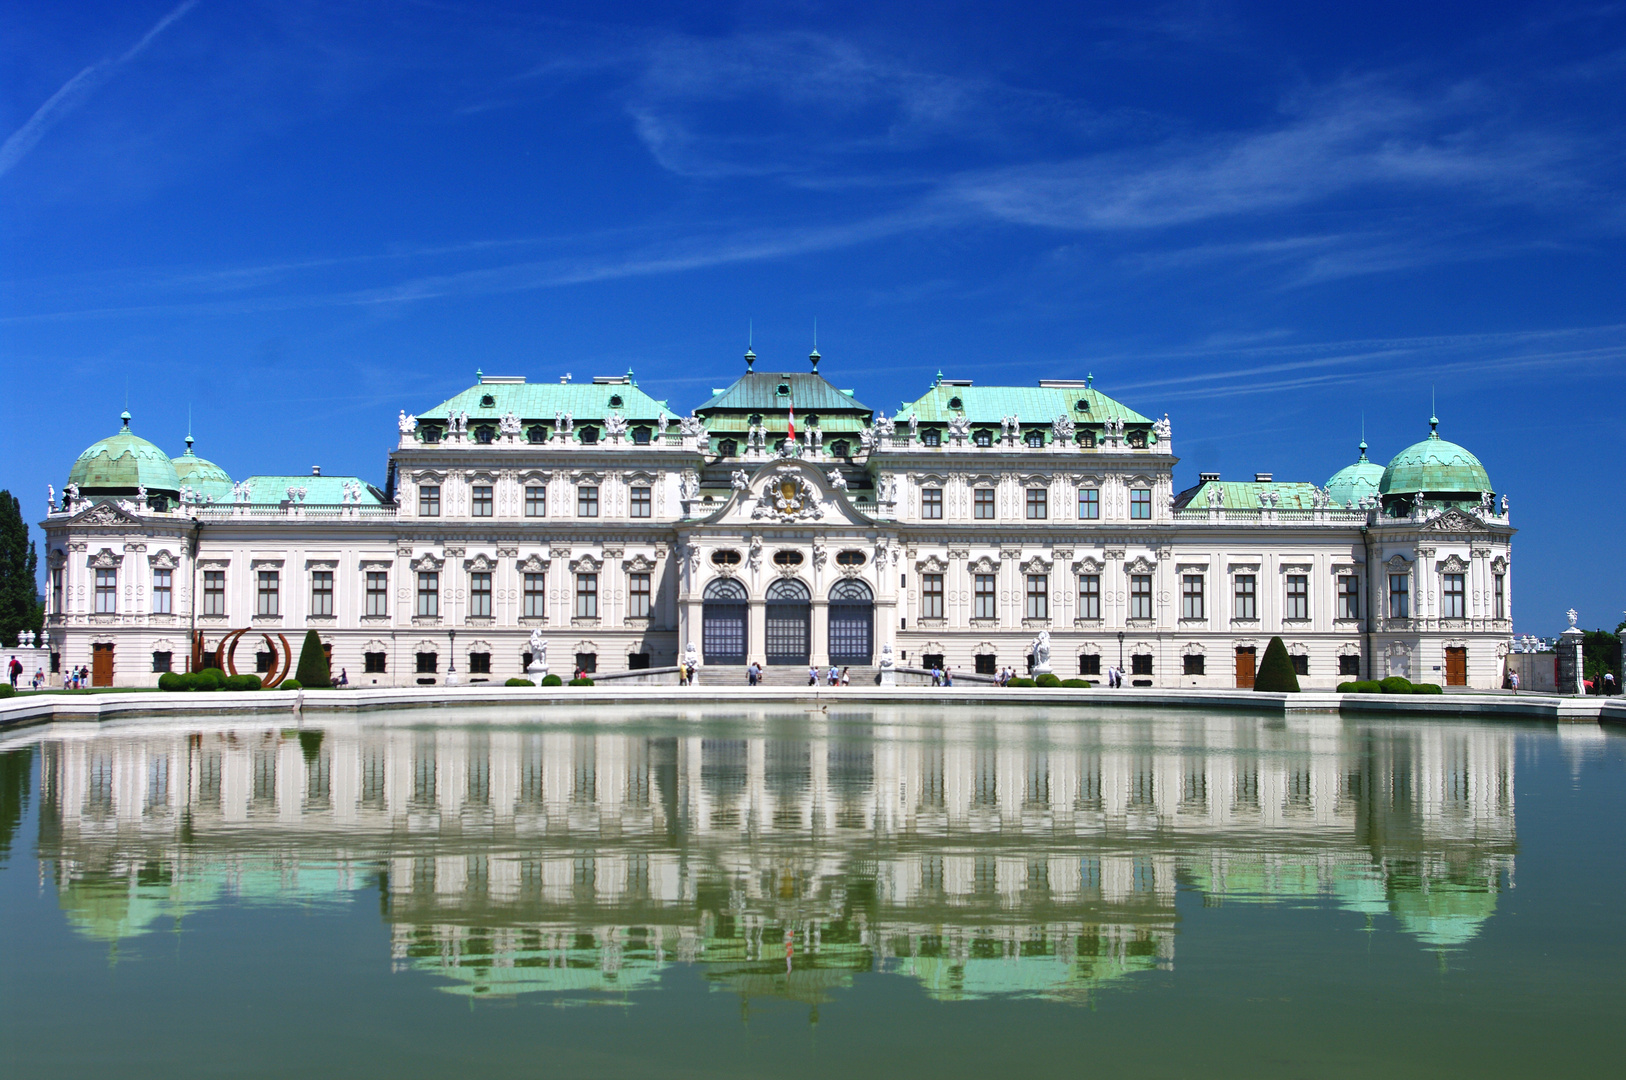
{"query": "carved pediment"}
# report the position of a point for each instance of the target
(586, 564)
(639, 564)
(1086, 565)
(1036, 565)
(1499, 565)
(1452, 564)
(1141, 565)
(535, 564)
(984, 565)
(1454, 521)
(162, 560)
(931, 565)
(481, 563)
(106, 559)
(1398, 564)
(106, 514)
(427, 562)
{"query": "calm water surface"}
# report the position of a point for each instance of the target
(859, 893)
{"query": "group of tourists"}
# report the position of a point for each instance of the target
(686, 672)
(834, 677)
(942, 675)
(14, 672)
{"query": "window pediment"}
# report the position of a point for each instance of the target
(533, 564)
(1086, 565)
(1398, 564)
(106, 559)
(481, 563)
(587, 564)
(428, 476)
(985, 565)
(427, 562)
(931, 565)
(1037, 565)
(162, 560)
(1452, 564)
(639, 564)
(1141, 565)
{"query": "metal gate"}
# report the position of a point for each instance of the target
(852, 623)
(723, 612)
(789, 612)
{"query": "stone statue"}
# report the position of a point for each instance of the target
(688, 486)
(70, 495)
(691, 427)
(959, 428)
(740, 481)
(141, 495)
(1504, 506)
(509, 424)
(660, 425)
(756, 552)
(539, 654)
(1061, 430)
(691, 656)
(886, 655)
(564, 424)
(1162, 430)
(50, 498)
(838, 481)
(1040, 651)
(889, 671)
(866, 439)
(408, 424)
(1487, 503)
(884, 425)
(1216, 497)
(914, 428)
(615, 427)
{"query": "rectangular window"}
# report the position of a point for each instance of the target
(1038, 504)
(1140, 596)
(1089, 664)
(1498, 594)
(638, 596)
(480, 595)
(931, 596)
(1349, 665)
(587, 596)
(1089, 596)
(1140, 664)
(983, 597)
(587, 501)
(427, 662)
(1191, 596)
(163, 596)
(107, 592)
(1453, 598)
(56, 591)
(321, 592)
(1140, 504)
(1089, 504)
(982, 504)
(536, 596)
(428, 593)
(214, 592)
(536, 501)
(1298, 597)
(643, 505)
(372, 663)
(1399, 596)
(931, 503)
(1246, 605)
(1038, 598)
(1349, 596)
(479, 663)
(267, 592)
(587, 662)
(480, 501)
(161, 661)
(429, 500)
(378, 592)
(1301, 665)
(1193, 665)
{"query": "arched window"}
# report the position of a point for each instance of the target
(431, 434)
(851, 589)
(841, 448)
(615, 401)
(931, 437)
(589, 435)
(640, 436)
(788, 590)
(983, 437)
(484, 433)
(487, 401)
(1137, 439)
(725, 589)
(728, 448)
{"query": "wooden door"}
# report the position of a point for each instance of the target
(1245, 668)
(101, 665)
(1456, 667)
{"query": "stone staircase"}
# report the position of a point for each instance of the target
(777, 675)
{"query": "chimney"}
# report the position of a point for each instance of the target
(316, 470)
(1208, 478)
(1261, 478)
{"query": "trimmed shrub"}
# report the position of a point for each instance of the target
(1426, 688)
(1359, 686)
(1020, 681)
(581, 682)
(172, 681)
(242, 682)
(1276, 674)
(7, 690)
(313, 670)
(290, 684)
(207, 679)
(552, 680)
(1047, 679)
(1075, 684)
(1395, 684)
(519, 682)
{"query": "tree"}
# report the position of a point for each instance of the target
(1276, 672)
(1600, 652)
(20, 608)
(313, 670)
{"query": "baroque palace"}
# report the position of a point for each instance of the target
(785, 522)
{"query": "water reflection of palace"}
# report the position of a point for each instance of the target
(1037, 857)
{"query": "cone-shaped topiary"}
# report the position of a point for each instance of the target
(1276, 673)
(313, 670)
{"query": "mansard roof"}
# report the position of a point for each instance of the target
(1040, 404)
(319, 490)
(603, 397)
(758, 391)
(1244, 495)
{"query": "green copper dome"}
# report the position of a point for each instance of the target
(201, 474)
(1436, 468)
(121, 463)
(1355, 482)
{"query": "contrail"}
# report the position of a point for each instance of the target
(74, 92)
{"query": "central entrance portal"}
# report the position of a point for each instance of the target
(723, 611)
(852, 623)
(789, 612)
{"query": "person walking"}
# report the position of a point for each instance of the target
(846, 677)
(1515, 681)
(948, 676)
(14, 669)
(344, 679)
(813, 675)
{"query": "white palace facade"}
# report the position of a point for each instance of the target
(621, 534)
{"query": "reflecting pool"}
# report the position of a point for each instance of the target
(798, 893)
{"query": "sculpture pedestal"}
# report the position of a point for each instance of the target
(1042, 669)
(536, 672)
(889, 676)
(451, 679)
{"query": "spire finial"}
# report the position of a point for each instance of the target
(1433, 416)
(750, 354)
(1363, 434)
(1089, 380)
(814, 355)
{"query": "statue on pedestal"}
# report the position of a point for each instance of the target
(539, 655)
(1040, 650)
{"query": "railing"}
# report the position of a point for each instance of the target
(1227, 515)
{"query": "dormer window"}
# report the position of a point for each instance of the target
(787, 558)
(640, 436)
(756, 418)
(931, 437)
(726, 557)
(1137, 439)
(616, 402)
(956, 403)
(812, 419)
(783, 390)
(589, 435)
(841, 448)
(1082, 404)
(487, 401)
(982, 437)
(484, 433)
(728, 448)
(537, 433)
(1035, 439)
(1086, 437)
(430, 434)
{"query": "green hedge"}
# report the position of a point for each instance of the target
(1360, 686)
(519, 682)
(1426, 688)
(243, 682)
(552, 680)
(1075, 684)
(7, 690)
(1047, 679)
(581, 682)
(172, 682)
(1276, 674)
(1396, 684)
(290, 684)
(1020, 681)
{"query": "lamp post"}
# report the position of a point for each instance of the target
(451, 665)
(1120, 650)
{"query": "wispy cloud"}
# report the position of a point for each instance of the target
(75, 92)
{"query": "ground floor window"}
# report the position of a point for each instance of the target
(587, 661)
(1193, 665)
(1349, 665)
(372, 663)
(428, 663)
(638, 661)
(1140, 664)
(479, 663)
(985, 664)
(931, 660)
(1301, 665)
(262, 662)
(1089, 665)
(161, 661)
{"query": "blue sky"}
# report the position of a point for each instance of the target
(1266, 220)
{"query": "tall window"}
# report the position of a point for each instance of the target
(321, 592)
(107, 592)
(642, 504)
(1038, 504)
(428, 593)
(267, 593)
(429, 500)
(480, 595)
(1089, 596)
(587, 596)
(982, 504)
(931, 502)
(536, 596)
(214, 592)
(1035, 439)
(480, 501)
(931, 596)
(587, 501)
(1399, 596)
(1140, 504)
(56, 590)
(163, 594)
(378, 592)
(984, 604)
(1245, 605)
(1498, 594)
(1298, 597)
(1453, 599)
(536, 501)
(1140, 596)
(1191, 596)
(1089, 504)
(1349, 596)
(1038, 598)
(638, 595)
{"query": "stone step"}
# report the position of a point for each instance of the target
(776, 675)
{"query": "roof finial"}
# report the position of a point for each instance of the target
(125, 416)
(189, 439)
(1433, 416)
(1089, 380)
(750, 353)
(814, 355)
(1363, 434)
